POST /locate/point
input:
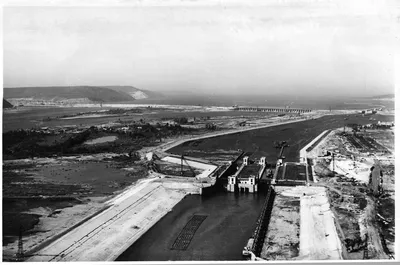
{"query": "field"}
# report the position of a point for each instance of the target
(28, 117)
(31, 117)
(34, 190)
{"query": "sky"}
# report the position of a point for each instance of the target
(257, 47)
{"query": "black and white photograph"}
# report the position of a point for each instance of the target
(199, 131)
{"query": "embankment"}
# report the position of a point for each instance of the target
(107, 235)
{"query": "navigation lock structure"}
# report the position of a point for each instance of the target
(293, 209)
(237, 132)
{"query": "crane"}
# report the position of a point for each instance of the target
(191, 169)
(281, 145)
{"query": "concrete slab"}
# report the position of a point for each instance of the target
(318, 236)
(107, 235)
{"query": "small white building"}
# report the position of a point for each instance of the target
(386, 123)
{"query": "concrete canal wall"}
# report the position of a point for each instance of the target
(314, 143)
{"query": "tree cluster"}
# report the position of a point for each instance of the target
(211, 126)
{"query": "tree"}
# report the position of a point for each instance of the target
(210, 126)
(181, 120)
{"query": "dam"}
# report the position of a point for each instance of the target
(272, 109)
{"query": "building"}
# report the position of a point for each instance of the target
(385, 124)
(368, 112)
(247, 178)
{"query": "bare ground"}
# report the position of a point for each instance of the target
(43, 197)
(357, 211)
(282, 239)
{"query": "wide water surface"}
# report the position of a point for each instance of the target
(231, 220)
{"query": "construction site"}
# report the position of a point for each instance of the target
(307, 189)
(181, 130)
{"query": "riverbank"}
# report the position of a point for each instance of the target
(107, 235)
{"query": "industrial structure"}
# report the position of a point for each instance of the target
(247, 177)
(271, 109)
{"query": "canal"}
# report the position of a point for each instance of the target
(231, 220)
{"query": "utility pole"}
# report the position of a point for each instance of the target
(182, 164)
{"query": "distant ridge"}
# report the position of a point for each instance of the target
(6, 104)
(384, 96)
(75, 94)
(136, 92)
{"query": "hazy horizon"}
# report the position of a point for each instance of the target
(280, 47)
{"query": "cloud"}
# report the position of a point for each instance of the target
(274, 46)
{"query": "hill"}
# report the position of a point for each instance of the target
(387, 96)
(74, 94)
(6, 104)
(136, 93)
